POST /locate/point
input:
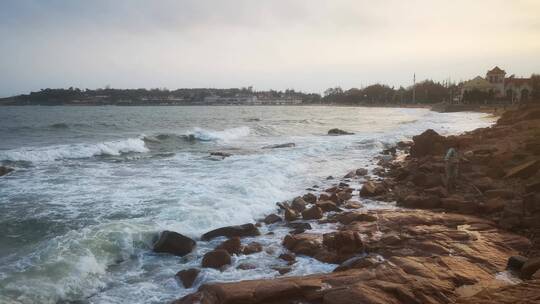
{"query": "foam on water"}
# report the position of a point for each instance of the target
(91, 221)
(58, 152)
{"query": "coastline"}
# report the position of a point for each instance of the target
(434, 248)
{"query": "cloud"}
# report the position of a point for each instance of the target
(305, 44)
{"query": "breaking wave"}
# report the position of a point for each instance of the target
(212, 135)
(58, 152)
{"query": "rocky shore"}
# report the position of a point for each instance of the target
(478, 244)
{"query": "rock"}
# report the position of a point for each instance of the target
(437, 191)
(421, 202)
(299, 225)
(516, 262)
(173, 243)
(336, 131)
(252, 247)
(291, 215)
(312, 213)
(529, 268)
(310, 198)
(221, 154)
(524, 171)
(533, 187)
(343, 196)
(353, 205)
(289, 257)
(279, 146)
(428, 143)
(282, 269)
(188, 276)
(343, 242)
(272, 218)
(232, 231)
(370, 189)
(350, 217)
(298, 204)
(232, 245)
(494, 205)
(457, 203)
(5, 170)
(306, 244)
(358, 262)
(246, 266)
(350, 174)
(500, 193)
(216, 259)
(327, 206)
(361, 171)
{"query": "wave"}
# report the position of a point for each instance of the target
(59, 126)
(83, 150)
(212, 135)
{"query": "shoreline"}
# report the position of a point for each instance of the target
(464, 250)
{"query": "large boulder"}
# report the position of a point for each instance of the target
(232, 231)
(291, 215)
(252, 247)
(298, 204)
(337, 131)
(530, 267)
(173, 243)
(428, 143)
(216, 259)
(272, 218)
(524, 170)
(312, 213)
(310, 198)
(188, 276)
(370, 188)
(516, 262)
(343, 242)
(328, 206)
(420, 201)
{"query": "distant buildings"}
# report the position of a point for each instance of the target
(497, 86)
(250, 100)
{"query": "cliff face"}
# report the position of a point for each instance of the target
(442, 247)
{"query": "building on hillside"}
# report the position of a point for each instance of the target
(497, 86)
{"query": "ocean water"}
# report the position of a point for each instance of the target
(93, 186)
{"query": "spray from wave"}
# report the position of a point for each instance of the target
(211, 135)
(58, 152)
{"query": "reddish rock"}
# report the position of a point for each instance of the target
(188, 276)
(246, 266)
(312, 213)
(361, 172)
(421, 202)
(298, 204)
(174, 243)
(291, 215)
(289, 257)
(272, 218)
(501, 193)
(232, 246)
(216, 259)
(494, 205)
(252, 247)
(310, 198)
(343, 196)
(370, 188)
(358, 262)
(524, 170)
(232, 231)
(428, 143)
(307, 244)
(327, 206)
(530, 267)
(353, 205)
(343, 242)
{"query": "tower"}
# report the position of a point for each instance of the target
(495, 77)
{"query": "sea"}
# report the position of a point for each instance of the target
(94, 186)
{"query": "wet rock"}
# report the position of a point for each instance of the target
(216, 259)
(343, 196)
(358, 262)
(350, 174)
(299, 225)
(279, 146)
(337, 131)
(5, 170)
(291, 215)
(289, 257)
(246, 266)
(353, 205)
(361, 172)
(232, 245)
(307, 244)
(232, 231)
(282, 269)
(343, 242)
(310, 198)
(350, 217)
(529, 268)
(173, 243)
(272, 218)
(421, 202)
(327, 206)
(188, 276)
(370, 189)
(252, 247)
(500, 193)
(494, 205)
(298, 204)
(220, 154)
(312, 213)
(524, 171)
(516, 262)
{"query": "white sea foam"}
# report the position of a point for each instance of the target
(83, 150)
(225, 135)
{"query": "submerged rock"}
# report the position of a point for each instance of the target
(286, 145)
(232, 245)
(232, 231)
(5, 170)
(312, 213)
(216, 259)
(337, 131)
(272, 218)
(252, 247)
(174, 243)
(188, 276)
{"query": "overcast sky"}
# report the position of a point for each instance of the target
(308, 45)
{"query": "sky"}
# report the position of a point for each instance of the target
(307, 45)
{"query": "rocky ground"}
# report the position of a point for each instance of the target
(478, 244)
